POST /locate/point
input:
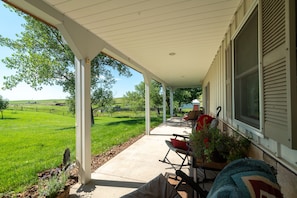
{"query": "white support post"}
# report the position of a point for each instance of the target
(83, 119)
(147, 82)
(164, 103)
(171, 102)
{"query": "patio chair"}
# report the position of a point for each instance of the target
(179, 144)
(191, 117)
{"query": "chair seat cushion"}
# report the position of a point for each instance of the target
(179, 144)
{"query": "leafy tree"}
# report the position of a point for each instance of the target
(102, 100)
(186, 95)
(136, 100)
(156, 95)
(3, 105)
(42, 58)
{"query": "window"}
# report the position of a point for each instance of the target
(228, 62)
(246, 73)
(207, 98)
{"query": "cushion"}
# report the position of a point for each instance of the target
(179, 144)
(203, 121)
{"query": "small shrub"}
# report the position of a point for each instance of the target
(50, 187)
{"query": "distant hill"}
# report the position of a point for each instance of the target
(45, 102)
(118, 101)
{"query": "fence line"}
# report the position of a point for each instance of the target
(50, 109)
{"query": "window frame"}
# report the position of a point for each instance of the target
(238, 124)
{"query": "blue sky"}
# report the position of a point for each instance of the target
(10, 24)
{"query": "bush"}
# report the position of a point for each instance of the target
(51, 187)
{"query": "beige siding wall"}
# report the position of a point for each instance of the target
(281, 157)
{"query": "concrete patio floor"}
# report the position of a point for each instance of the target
(134, 166)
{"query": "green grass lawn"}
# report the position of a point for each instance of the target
(31, 142)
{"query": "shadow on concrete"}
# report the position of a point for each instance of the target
(91, 186)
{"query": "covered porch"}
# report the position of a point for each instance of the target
(172, 42)
(136, 165)
(184, 44)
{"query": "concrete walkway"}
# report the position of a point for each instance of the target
(134, 166)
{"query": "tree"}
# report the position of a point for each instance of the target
(3, 105)
(42, 58)
(156, 96)
(136, 100)
(102, 100)
(186, 95)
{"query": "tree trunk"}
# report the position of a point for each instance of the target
(92, 117)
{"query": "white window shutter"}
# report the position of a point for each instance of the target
(279, 72)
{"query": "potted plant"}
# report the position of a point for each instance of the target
(211, 144)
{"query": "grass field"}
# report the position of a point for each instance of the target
(33, 141)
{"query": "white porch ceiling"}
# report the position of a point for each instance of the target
(148, 31)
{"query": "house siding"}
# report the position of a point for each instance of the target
(266, 146)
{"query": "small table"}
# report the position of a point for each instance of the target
(211, 166)
(215, 166)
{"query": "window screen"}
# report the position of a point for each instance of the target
(246, 74)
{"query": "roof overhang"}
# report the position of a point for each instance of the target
(172, 41)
